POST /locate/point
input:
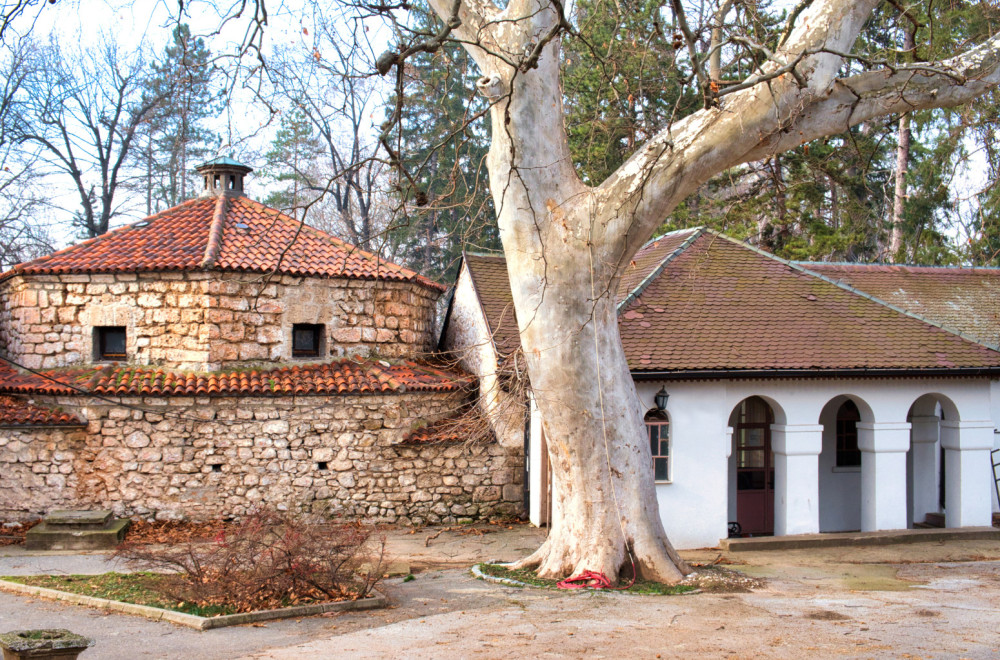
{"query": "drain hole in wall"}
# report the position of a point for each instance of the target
(217, 467)
(321, 465)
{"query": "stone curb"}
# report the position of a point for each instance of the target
(839, 539)
(377, 600)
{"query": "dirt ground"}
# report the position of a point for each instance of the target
(908, 601)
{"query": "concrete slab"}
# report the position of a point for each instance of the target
(90, 519)
(802, 541)
(46, 536)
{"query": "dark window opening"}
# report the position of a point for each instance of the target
(307, 340)
(658, 432)
(754, 462)
(321, 465)
(217, 467)
(848, 454)
(109, 343)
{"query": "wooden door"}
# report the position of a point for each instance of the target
(754, 467)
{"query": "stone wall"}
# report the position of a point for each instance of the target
(203, 458)
(208, 321)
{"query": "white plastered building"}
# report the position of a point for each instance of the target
(802, 398)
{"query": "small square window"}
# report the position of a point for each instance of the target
(109, 343)
(307, 340)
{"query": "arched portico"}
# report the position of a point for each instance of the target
(840, 463)
(950, 463)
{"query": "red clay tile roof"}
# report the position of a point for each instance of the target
(489, 277)
(223, 233)
(719, 306)
(343, 377)
(16, 413)
(966, 300)
(440, 432)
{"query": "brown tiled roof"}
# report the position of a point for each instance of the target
(489, 277)
(719, 306)
(223, 233)
(646, 264)
(16, 413)
(342, 377)
(963, 299)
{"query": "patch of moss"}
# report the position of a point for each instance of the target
(528, 577)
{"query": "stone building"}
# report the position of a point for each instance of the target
(219, 355)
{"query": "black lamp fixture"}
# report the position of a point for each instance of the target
(661, 399)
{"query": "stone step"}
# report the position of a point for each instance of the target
(77, 530)
(79, 519)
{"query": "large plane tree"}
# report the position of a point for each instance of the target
(568, 243)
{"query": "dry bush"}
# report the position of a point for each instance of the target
(269, 559)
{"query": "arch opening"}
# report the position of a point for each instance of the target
(751, 467)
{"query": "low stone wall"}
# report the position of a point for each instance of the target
(203, 458)
(209, 320)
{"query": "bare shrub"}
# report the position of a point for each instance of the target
(269, 559)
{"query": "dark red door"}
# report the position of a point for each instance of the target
(754, 467)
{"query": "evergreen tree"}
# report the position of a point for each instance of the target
(176, 136)
(448, 206)
(290, 159)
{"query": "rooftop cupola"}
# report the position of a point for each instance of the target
(223, 175)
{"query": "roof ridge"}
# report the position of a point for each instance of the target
(853, 264)
(498, 254)
(214, 244)
(847, 287)
(637, 291)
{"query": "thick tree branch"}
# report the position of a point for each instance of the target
(876, 93)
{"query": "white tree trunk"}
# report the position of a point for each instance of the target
(567, 244)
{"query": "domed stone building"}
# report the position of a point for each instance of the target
(219, 355)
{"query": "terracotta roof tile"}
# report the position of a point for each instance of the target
(649, 258)
(342, 377)
(253, 238)
(452, 429)
(16, 413)
(963, 299)
(719, 305)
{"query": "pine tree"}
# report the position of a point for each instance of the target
(292, 155)
(447, 200)
(176, 136)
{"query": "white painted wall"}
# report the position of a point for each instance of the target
(468, 337)
(697, 504)
(839, 488)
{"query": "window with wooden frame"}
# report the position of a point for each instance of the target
(307, 340)
(110, 343)
(848, 454)
(658, 431)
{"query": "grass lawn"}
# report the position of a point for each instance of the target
(528, 576)
(137, 588)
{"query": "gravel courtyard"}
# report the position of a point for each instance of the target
(926, 600)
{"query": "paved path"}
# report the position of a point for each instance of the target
(928, 600)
